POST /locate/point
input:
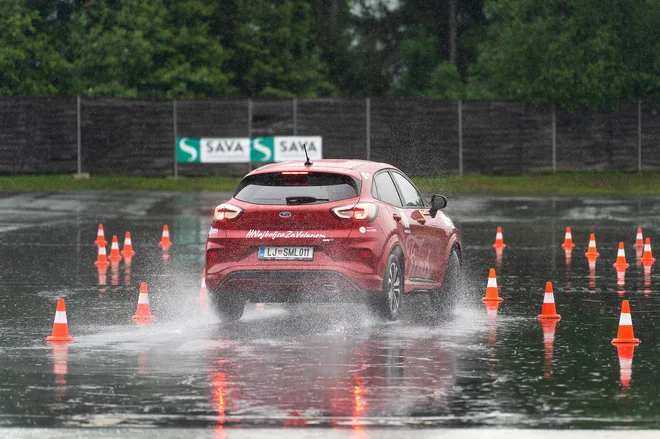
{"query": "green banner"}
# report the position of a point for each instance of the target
(245, 149)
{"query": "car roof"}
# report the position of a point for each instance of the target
(351, 167)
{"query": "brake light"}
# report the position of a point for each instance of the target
(294, 173)
(357, 212)
(227, 212)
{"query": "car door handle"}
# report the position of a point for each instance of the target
(396, 217)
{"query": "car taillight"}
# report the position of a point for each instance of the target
(227, 212)
(357, 212)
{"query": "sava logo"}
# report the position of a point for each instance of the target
(262, 149)
(188, 150)
(266, 234)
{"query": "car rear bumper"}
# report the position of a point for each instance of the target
(293, 285)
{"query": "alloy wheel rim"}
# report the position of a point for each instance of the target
(394, 288)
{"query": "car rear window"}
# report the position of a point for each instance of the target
(293, 188)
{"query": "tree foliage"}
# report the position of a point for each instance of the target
(575, 53)
(29, 64)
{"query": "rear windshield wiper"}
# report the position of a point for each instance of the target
(304, 200)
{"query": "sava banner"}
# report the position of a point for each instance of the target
(245, 149)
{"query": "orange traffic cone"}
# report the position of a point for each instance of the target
(114, 250)
(165, 242)
(625, 353)
(621, 263)
(102, 259)
(60, 332)
(625, 333)
(647, 258)
(203, 296)
(591, 251)
(491, 289)
(100, 237)
(143, 313)
(568, 240)
(639, 239)
(127, 252)
(548, 312)
(499, 241)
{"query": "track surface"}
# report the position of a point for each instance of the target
(319, 365)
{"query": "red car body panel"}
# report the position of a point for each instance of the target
(349, 255)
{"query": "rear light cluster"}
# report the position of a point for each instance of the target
(227, 212)
(357, 212)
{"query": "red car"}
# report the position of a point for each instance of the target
(330, 230)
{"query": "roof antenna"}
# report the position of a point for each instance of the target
(308, 162)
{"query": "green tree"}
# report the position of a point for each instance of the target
(274, 52)
(417, 57)
(29, 65)
(575, 53)
(135, 48)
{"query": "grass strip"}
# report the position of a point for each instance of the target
(596, 183)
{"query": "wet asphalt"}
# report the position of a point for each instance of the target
(321, 365)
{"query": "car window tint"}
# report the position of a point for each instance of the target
(411, 196)
(292, 189)
(385, 189)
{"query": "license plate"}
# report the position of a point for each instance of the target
(286, 253)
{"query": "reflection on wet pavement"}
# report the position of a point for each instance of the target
(487, 364)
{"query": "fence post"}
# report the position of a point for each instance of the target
(249, 128)
(175, 133)
(460, 137)
(639, 134)
(79, 135)
(295, 116)
(554, 139)
(368, 126)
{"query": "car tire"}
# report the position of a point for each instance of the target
(446, 298)
(387, 302)
(229, 308)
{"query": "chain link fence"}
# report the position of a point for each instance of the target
(423, 137)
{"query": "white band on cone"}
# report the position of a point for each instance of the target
(498, 236)
(115, 246)
(127, 241)
(203, 283)
(592, 243)
(568, 235)
(101, 250)
(492, 282)
(621, 253)
(625, 363)
(166, 233)
(647, 247)
(625, 320)
(60, 316)
(549, 298)
(143, 299)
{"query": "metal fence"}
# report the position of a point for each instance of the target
(424, 137)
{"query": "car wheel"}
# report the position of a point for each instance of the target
(388, 301)
(228, 307)
(446, 298)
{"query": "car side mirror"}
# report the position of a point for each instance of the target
(437, 202)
